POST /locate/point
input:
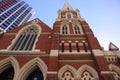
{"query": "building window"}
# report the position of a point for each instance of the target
(26, 39)
(7, 74)
(85, 47)
(70, 46)
(62, 47)
(116, 76)
(77, 46)
(64, 29)
(68, 15)
(35, 75)
(115, 70)
(87, 76)
(77, 29)
(68, 76)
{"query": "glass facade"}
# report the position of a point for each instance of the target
(14, 14)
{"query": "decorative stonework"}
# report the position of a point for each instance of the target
(67, 76)
(85, 72)
(98, 52)
(6, 63)
(54, 53)
(31, 66)
(89, 69)
(32, 28)
(110, 56)
(35, 21)
(64, 69)
(61, 29)
(87, 76)
(115, 71)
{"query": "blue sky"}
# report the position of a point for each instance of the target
(103, 16)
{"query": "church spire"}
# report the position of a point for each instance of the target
(67, 6)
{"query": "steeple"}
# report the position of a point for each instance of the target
(67, 6)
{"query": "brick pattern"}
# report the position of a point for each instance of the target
(51, 39)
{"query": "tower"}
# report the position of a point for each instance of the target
(13, 13)
(69, 51)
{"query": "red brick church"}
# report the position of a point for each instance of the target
(69, 51)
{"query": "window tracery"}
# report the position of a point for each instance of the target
(115, 70)
(64, 29)
(86, 72)
(77, 29)
(26, 39)
(68, 76)
(68, 15)
(116, 76)
(87, 76)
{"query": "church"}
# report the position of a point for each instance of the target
(69, 51)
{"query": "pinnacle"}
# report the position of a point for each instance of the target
(67, 6)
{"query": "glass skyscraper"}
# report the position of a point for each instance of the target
(13, 13)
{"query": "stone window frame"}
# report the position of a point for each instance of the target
(21, 33)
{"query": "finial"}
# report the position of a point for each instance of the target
(67, 6)
(66, 1)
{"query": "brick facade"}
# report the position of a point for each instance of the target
(56, 54)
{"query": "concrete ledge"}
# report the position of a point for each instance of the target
(98, 52)
(54, 53)
(17, 52)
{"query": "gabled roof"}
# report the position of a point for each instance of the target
(113, 47)
(67, 6)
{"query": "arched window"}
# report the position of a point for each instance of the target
(87, 76)
(77, 29)
(116, 75)
(67, 76)
(32, 70)
(35, 75)
(115, 70)
(64, 29)
(86, 72)
(68, 15)
(7, 74)
(26, 39)
(67, 72)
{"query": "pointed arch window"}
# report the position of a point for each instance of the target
(115, 71)
(7, 74)
(88, 73)
(26, 39)
(35, 75)
(77, 29)
(116, 75)
(87, 76)
(68, 76)
(68, 15)
(64, 29)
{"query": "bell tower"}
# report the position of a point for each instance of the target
(75, 44)
(75, 34)
(69, 51)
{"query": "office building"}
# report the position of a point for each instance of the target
(13, 13)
